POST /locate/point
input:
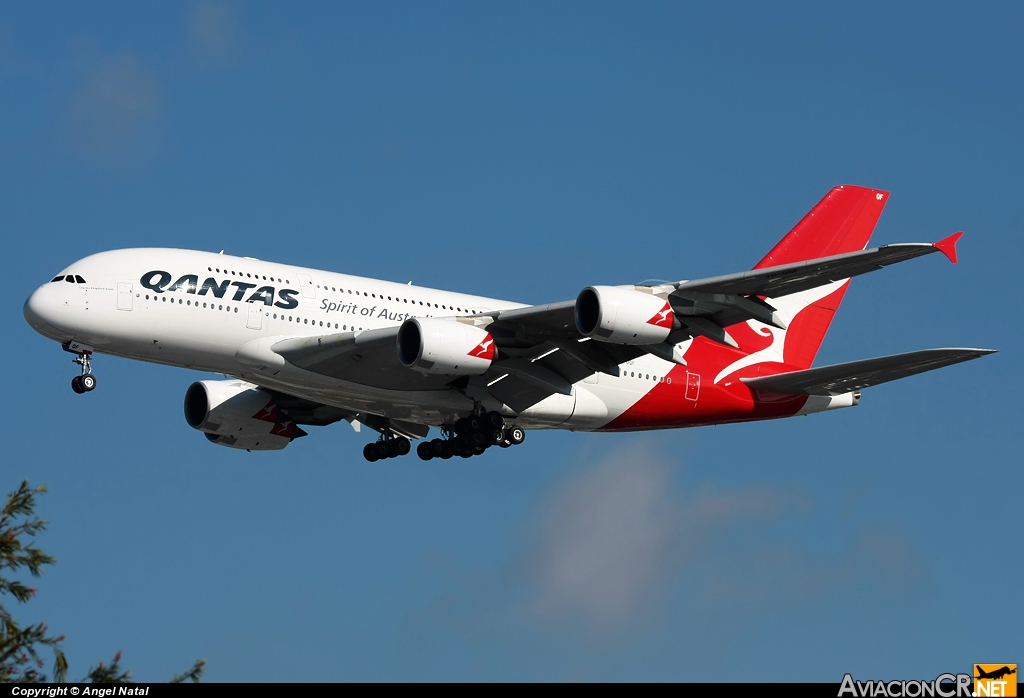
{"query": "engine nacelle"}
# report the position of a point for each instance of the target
(238, 414)
(623, 316)
(267, 442)
(447, 347)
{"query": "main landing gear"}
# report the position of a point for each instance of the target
(471, 436)
(85, 382)
(388, 446)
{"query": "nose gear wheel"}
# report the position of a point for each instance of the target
(87, 381)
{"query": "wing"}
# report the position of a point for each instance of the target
(541, 352)
(368, 358)
(307, 412)
(856, 375)
(792, 278)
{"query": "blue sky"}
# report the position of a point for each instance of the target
(525, 151)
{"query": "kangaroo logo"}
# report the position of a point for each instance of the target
(663, 318)
(268, 413)
(484, 350)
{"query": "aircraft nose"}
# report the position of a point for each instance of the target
(35, 309)
(41, 311)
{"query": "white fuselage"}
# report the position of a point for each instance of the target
(219, 313)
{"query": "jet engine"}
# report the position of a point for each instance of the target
(623, 316)
(239, 415)
(447, 347)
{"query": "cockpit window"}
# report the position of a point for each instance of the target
(57, 278)
(79, 279)
(70, 279)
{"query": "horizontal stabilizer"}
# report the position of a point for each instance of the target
(856, 375)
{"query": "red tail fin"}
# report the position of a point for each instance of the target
(841, 222)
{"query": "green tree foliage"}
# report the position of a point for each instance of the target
(20, 659)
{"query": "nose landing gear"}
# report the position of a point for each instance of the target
(85, 382)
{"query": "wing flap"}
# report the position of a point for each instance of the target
(856, 375)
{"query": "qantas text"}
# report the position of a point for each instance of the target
(157, 281)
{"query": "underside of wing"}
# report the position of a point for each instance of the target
(367, 358)
(857, 375)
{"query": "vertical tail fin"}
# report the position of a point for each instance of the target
(841, 222)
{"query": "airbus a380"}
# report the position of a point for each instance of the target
(309, 347)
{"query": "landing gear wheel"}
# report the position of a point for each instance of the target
(424, 450)
(370, 452)
(494, 420)
(402, 446)
(516, 435)
(495, 437)
(381, 447)
(88, 382)
(76, 385)
(437, 448)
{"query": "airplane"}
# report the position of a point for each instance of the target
(304, 347)
(996, 674)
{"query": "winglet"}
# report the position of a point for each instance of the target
(947, 246)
